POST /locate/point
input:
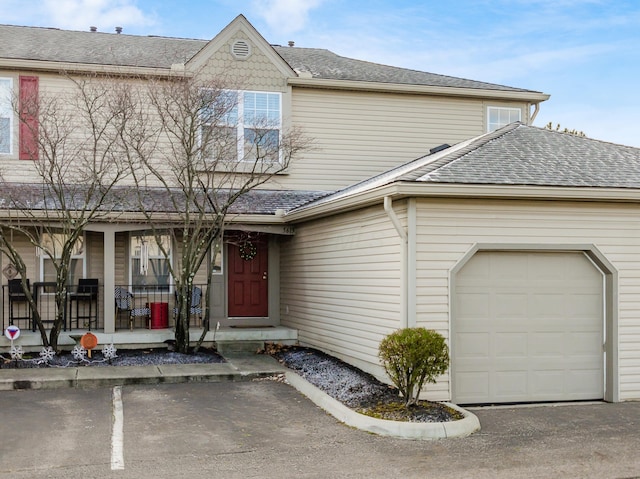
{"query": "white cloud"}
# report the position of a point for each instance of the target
(285, 16)
(75, 14)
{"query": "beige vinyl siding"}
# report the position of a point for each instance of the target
(358, 134)
(94, 255)
(28, 253)
(341, 285)
(448, 229)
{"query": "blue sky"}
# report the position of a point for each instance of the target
(585, 53)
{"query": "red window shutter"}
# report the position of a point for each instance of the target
(28, 118)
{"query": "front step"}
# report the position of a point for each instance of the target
(230, 347)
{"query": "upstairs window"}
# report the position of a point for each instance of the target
(244, 126)
(502, 116)
(6, 115)
(148, 265)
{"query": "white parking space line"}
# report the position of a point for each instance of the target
(117, 434)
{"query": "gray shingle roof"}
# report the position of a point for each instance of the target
(524, 155)
(65, 46)
(35, 197)
(96, 48)
(324, 64)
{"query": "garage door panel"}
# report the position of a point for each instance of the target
(548, 305)
(511, 385)
(548, 344)
(581, 383)
(474, 306)
(584, 344)
(510, 345)
(472, 384)
(509, 305)
(549, 384)
(474, 345)
(536, 335)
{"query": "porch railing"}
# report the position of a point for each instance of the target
(136, 307)
(81, 306)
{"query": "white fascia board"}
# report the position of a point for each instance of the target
(401, 190)
(530, 96)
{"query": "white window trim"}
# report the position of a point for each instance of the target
(241, 125)
(81, 256)
(6, 110)
(510, 109)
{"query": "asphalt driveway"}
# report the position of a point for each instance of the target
(266, 429)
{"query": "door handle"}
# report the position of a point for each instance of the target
(264, 275)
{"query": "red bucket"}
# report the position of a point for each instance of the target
(159, 315)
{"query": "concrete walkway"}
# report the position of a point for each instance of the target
(239, 367)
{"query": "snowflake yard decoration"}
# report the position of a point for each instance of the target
(109, 352)
(79, 353)
(46, 355)
(16, 352)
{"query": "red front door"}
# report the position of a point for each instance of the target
(248, 293)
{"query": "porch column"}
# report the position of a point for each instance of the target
(109, 280)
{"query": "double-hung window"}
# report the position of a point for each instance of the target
(244, 126)
(148, 265)
(51, 247)
(497, 117)
(6, 115)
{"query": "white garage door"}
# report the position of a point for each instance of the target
(527, 327)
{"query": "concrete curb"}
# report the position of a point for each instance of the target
(96, 377)
(405, 430)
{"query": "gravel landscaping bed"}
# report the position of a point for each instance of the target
(358, 390)
(124, 357)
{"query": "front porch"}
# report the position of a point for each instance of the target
(227, 338)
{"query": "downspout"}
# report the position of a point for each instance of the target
(536, 110)
(404, 312)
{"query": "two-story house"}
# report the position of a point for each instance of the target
(516, 243)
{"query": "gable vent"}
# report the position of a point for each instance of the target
(241, 50)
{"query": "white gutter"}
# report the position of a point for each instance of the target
(404, 261)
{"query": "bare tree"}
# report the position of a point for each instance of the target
(76, 162)
(202, 164)
(574, 132)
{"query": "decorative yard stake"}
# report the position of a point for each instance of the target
(46, 355)
(88, 342)
(12, 333)
(109, 352)
(78, 353)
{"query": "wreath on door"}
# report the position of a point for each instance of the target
(248, 251)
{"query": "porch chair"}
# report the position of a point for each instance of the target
(196, 307)
(19, 307)
(86, 294)
(125, 306)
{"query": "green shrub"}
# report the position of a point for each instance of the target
(412, 356)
